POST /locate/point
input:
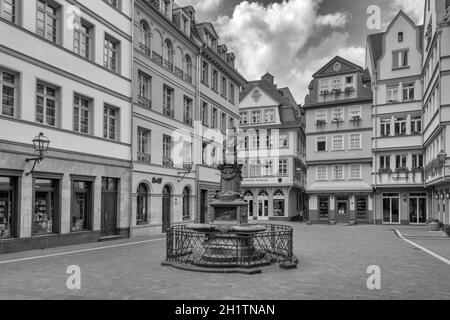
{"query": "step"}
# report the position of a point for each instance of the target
(109, 238)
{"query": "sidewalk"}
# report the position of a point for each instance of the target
(436, 241)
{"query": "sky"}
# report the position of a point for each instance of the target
(292, 39)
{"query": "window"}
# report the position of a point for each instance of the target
(215, 81)
(385, 162)
(231, 124)
(355, 141)
(283, 168)
(269, 116)
(204, 113)
(205, 73)
(255, 141)
(186, 204)
(144, 34)
(321, 173)
(400, 161)
(8, 211)
(111, 53)
(46, 199)
(223, 124)
(8, 93)
(284, 141)
(268, 168)
(278, 204)
(355, 172)
(324, 85)
(349, 81)
(142, 204)
(167, 151)
(113, 3)
(187, 152)
(323, 207)
(417, 160)
(168, 47)
(416, 125)
(243, 118)
(47, 20)
(400, 126)
(81, 206)
(269, 140)
(46, 103)
(338, 143)
(338, 172)
(385, 127)
(400, 37)
(110, 122)
(400, 59)
(231, 95)
(337, 114)
(223, 92)
(408, 91)
(8, 10)
(321, 115)
(168, 101)
(214, 119)
(81, 113)
(144, 93)
(354, 113)
(336, 83)
(188, 75)
(321, 143)
(143, 145)
(82, 42)
(256, 116)
(187, 110)
(392, 93)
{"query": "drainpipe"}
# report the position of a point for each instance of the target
(375, 91)
(197, 129)
(132, 118)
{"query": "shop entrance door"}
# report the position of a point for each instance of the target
(342, 209)
(417, 208)
(109, 206)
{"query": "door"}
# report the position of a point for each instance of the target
(417, 209)
(203, 205)
(342, 210)
(361, 208)
(263, 209)
(391, 210)
(109, 206)
(166, 208)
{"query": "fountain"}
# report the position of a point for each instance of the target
(229, 243)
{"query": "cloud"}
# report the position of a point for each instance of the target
(278, 37)
(205, 9)
(413, 8)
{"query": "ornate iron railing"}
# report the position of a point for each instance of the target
(188, 78)
(157, 58)
(144, 157)
(145, 102)
(145, 50)
(235, 250)
(168, 65)
(178, 72)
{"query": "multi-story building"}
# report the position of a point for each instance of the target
(394, 61)
(65, 71)
(272, 147)
(218, 113)
(338, 148)
(436, 106)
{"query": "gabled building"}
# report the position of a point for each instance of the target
(272, 150)
(338, 144)
(394, 61)
(436, 106)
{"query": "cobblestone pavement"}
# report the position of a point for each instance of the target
(333, 264)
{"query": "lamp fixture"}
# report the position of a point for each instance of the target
(40, 144)
(188, 166)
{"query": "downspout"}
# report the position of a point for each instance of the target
(132, 117)
(375, 92)
(197, 129)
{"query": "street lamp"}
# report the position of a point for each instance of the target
(442, 157)
(188, 170)
(40, 144)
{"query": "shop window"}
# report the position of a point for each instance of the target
(186, 204)
(45, 213)
(8, 217)
(278, 204)
(361, 208)
(324, 203)
(81, 206)
(142, 204)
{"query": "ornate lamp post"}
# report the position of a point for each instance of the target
(40, 144)
(188, 170)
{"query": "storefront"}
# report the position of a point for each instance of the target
(9, 205)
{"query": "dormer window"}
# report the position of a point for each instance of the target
(165, 8)
(400, 37)
(185, 25)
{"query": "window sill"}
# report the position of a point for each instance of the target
(400, 68)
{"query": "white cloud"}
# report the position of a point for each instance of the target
(272, 37)
(205, 9)
(413, 8)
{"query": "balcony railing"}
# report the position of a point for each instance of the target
(168, 112)
(178, 72)
(401, 175)
(157, 58)
(144, 157)
(145, 50)
(145, 102)
(188, 120)
(447, 15)
(167, 162)
(188, 78)
(168, 65)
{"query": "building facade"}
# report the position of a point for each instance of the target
(394, 60)
(338, 144)
(71, 80)
(436, 106)
(272, 149)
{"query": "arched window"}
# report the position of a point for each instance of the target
(278, 193)
(169, 50)
(263, 193)
(142, 204)
(186, 204)
(144, 33)
(248, 193)
(188, 62)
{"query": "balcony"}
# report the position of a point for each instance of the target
(168, 65)
(188, 121)
(144, 102)
(167, 162)
(188, 78)
(400, 176)
(145, 50)
(178, 72)
(144, 157)
(169, 112)
(157, 58)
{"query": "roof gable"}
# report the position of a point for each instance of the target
(257, 97)
(345, 66)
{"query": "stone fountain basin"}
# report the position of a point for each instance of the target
(200, 227)
(247, 229)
